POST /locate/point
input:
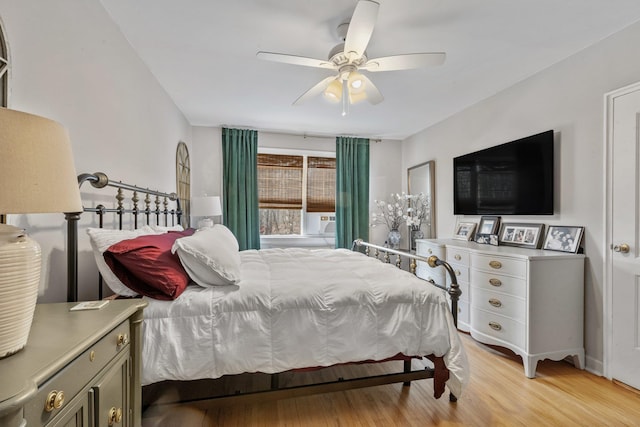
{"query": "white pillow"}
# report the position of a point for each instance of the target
(210, 256)
(101, 239)
(162, 229)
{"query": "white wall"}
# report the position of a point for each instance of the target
(568, 98)
(69, 62)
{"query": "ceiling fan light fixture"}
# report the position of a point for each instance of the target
(356, 83)
(333, 92)
(355, 97)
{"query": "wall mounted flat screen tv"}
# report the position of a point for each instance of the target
(515, 178)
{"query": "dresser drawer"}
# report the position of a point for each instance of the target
(463, 311)
(75, 376)
(500, 283)
(498, 303)
(426, 248)
(436, 275)
(461, 272)
(498, 327)
(457, 256)
(498, 264)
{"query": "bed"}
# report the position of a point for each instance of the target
(279, 311)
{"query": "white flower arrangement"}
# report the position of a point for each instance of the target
(392, 213)
(418, 211)
(401, 208)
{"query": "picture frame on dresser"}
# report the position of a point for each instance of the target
(488, 230)
(464, 230)
(522, 235)
(563, 238)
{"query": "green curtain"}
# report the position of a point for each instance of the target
(352, 190)
(240, 186)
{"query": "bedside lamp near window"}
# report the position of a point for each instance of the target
(37, 175)
(205, 206)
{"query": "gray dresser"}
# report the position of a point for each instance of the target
(79, 368)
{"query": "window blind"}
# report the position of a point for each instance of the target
(280, 181)
(321, 184)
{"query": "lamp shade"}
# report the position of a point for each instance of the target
(36, 176)
(206, 206)
(36, 166)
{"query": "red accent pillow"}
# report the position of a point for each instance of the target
(146, 265)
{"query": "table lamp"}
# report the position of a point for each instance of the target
(205, 206)
(37, 175)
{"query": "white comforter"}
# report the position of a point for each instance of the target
(297, 308)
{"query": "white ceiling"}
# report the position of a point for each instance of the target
(203, 52)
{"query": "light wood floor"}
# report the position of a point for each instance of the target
(498, 395)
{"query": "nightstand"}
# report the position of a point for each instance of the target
(79, 368)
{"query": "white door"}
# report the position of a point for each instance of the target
(623, 127)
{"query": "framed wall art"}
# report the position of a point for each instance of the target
(521, 234)
(563, 238)
(464, 230)
(488, 230)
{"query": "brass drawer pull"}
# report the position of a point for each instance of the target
(457, 257)
(495, 264)
(495, 326)
(495, 282)
(495, 302)
(114, 416)
(123, 339)
(54, 400)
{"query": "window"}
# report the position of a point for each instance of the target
(294, 189)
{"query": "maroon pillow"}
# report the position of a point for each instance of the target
(147, 266)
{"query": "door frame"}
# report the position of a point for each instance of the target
(607, 294)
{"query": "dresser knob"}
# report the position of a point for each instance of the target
(114, 416)
(430, 251)
(495, 282)
(495, 326)
(457, 257)
(54, 400)
(123, 339)
(495, 264)
(495, 302)
(458, 272)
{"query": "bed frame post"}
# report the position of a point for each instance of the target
(72, 255)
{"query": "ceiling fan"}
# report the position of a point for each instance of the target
(349, 58)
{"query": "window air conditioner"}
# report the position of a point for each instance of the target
(327, 224)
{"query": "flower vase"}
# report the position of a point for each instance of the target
(416, 234)
(393, 239)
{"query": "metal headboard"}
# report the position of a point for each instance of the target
(151, 209)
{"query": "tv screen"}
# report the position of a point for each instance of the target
(515, 178)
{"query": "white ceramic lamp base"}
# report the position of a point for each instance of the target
(20, 261)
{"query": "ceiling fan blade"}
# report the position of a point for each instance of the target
(404, 62)
(360, 28)
(295, 60)
(373, 94)
(315, 90)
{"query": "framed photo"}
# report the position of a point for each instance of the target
(464, 230)
(487, 239)
(488, 230)
(563, 238)
(521, 234)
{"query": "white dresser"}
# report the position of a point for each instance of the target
(529, 301)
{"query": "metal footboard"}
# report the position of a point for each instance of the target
(433, 261)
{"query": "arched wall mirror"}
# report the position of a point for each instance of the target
(183, 182)
(4, 83)
(421, 179)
